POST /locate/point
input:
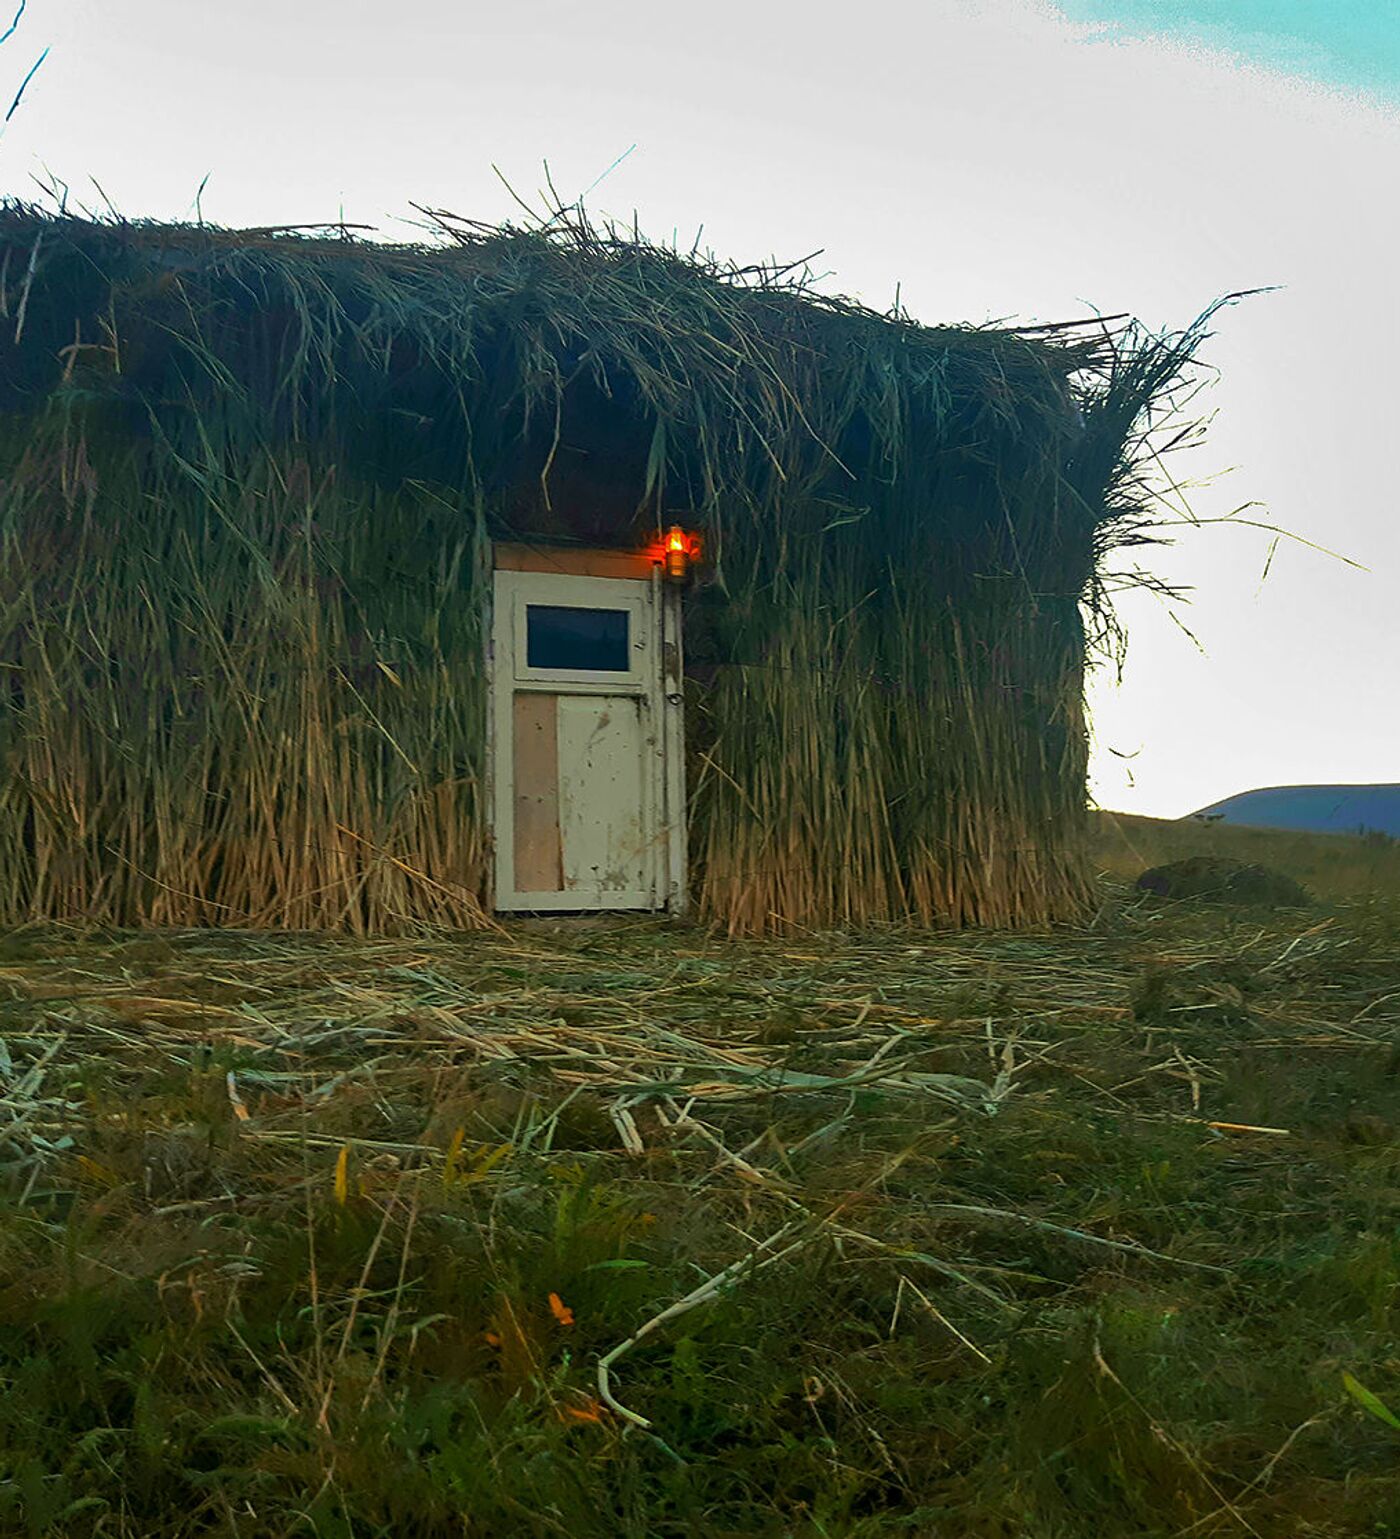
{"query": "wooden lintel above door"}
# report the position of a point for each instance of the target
(573, 561)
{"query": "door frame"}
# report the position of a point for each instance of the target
(664, 694)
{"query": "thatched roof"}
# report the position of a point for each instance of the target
(490, 356)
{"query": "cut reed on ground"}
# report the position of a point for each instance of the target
(620, 1228)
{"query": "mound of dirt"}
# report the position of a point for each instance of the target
(1225, 881)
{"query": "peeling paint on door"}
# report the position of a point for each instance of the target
(604, 804)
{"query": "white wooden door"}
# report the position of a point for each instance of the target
(585, 802)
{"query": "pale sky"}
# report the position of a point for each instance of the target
(1005, 159)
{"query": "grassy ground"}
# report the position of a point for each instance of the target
(965, 1235)
(1328, 865)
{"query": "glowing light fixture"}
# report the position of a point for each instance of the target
(679, 550)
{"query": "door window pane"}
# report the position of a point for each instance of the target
(591, 640)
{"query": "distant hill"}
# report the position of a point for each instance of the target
(1313, 809)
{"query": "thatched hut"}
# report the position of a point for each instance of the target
(331, 592)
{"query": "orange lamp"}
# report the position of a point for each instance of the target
(678, 550)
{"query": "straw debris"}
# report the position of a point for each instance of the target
(579, 1228)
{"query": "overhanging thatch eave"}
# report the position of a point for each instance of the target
(683, 326)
